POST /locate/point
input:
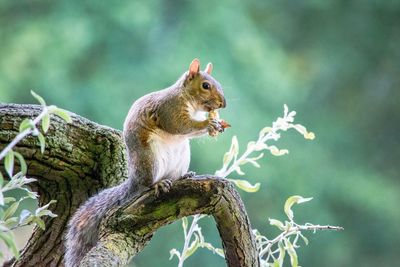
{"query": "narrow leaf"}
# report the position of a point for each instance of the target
(1, 180)
(175, 252)
(11, 210)
(46, 123)
(245, 185)
(37, 212)
(38, 98)
(279, 260)
(235, 146)
(62, 114)
(31, 194)
(184, 225)
(39, 223)
(277, 152)
(11, 222)
(291, 201)
(42, 142)
(9, 163)
(277, 223)
(46, 213)
(26, 124)
(192, 248)
(22, 162)
(292, 253)
(304, 238)
(239, 171)
(9, 240)
(9, 200)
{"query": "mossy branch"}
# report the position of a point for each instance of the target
(82, 158)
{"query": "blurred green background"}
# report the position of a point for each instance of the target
(335, 62)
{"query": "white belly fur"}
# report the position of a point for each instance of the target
(172, 154)
(196, 113)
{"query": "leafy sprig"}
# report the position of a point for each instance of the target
(9, 219)
(232, 163)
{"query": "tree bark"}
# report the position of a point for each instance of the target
(82, 158)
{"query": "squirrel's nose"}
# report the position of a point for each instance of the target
(223, 103)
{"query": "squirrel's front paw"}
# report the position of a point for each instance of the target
(162, 186)
(215, 127)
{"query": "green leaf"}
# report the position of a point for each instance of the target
(301, 129)
(39, 210)
(279, 261)
(31, 194)
(62, 113)
(42, 142)
(249, 160)
(234, 146)
(185, 225)
(175, 252)
(11, 210)
(277, 223)
(278, 152)
(46, 123)
(9, 200)
(9, 163)
(46, 213)
(285, 110)
(246, 186)
(304, 238)
(39, 222)
(292, 253)
(22, 162)
(1, 198)
(11, 222)
(1, 180)
(26, 124)
(25, 180)
(227, 158)
(193, 247)
(239, 170)
(38, 98)
(9, 240)
(291, 201)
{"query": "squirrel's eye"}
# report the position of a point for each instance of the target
(206, 85)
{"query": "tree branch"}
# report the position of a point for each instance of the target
(84, 157)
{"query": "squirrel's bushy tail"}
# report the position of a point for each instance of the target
(83, 228)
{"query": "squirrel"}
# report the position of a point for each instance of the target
(156, 132)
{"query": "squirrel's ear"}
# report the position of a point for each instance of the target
(209, 68)
(194, 68)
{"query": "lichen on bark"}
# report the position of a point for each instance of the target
(82, 158)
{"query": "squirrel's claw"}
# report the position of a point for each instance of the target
(162, 186)
(189, 174)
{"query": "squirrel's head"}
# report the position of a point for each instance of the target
(202, 89)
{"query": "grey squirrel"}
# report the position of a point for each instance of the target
(156, 131)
